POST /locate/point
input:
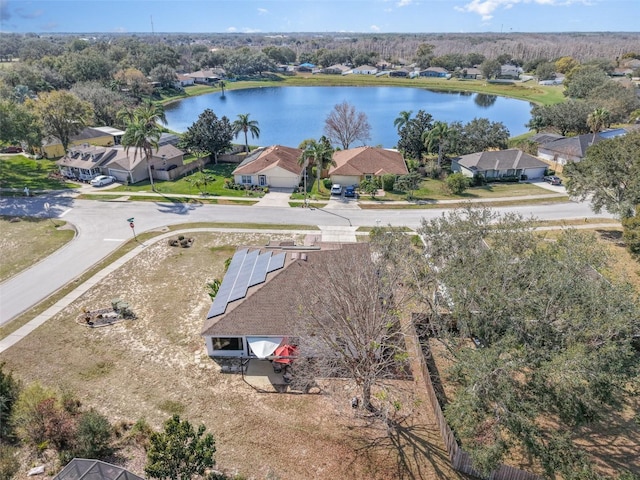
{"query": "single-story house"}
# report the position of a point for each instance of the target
(510, 71)
(85, 162)
(337, 69)
(205, 77)
(471, 73)
(184, 80)
(500, 163)
(305, 67)
(435, 72)
(102, 136)
(401, 72)
(545, 137)
(364, 70)
(255, 308)
(365, 163)
(275, 166)
(573, 149)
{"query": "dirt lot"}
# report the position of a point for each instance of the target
(157, 365)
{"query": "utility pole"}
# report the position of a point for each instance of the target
(152, 32)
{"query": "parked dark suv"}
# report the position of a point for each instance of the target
(350, 191)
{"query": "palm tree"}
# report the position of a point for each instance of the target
(440, 136)
(243, 124)
(597, 120)
(402, 119)
(222, 85)
(143, 132)
(320, 153)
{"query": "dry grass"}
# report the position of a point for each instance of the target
(157, 365)
(26, 242)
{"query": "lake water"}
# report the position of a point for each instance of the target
(289, 115)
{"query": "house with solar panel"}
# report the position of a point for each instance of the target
(255, 309)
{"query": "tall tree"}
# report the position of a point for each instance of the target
(479, 135)
(440, 138)
(209, 135)
(556, 339)
(580, 81)
(179, 452)
(344, 125)
(244, 125)
(402, 119)
(143, 131)
(490, 69)
(411, 134)
(320, 153)
(609, 174)
(18, 124)
(348, 318)
(61, 114)
(597, 120)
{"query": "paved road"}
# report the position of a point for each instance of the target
(102, 227)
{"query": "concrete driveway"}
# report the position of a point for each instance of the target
(277, 197)
(548, 186)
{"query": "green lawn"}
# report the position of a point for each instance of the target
(434, 190)
(18, 171)
(530, 91)
(220, 173)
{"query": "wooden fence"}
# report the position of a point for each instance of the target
(460, 460)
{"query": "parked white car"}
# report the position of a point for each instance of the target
(101, 180)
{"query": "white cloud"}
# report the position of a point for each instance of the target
(251, 30)
(375, 28)
(404, 3)
(232, 29)
(262, 11)
(485, 8)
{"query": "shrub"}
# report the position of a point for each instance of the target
(93, 435)
(387, 182)
(432, 169)
(369, 187)
(456, 183)
(327, 183)
(9, 392)
(631, 232)
(140, 432)
(59, 426)
(213, 288)
(9, 464)
(26, 416)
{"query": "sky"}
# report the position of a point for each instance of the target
(284, 16)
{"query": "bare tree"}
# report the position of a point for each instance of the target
(349, 319)
(345, 125)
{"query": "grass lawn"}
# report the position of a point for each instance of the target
(156, 365)
(28, 241)
(220, 172)
(529, 91)
(18, 171)
(434, 190)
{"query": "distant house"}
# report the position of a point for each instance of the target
(471, 73)
(85, 162)
(573, 149)
(102, 136)
(365, 163)
(305, 67)
(184, 80)
(510, 71)
(545, 137)
(364, 70)
(337, 69)
(255, 309)
(437, 72)
(401, 72)
(206, 77)
(274, 166)
(498, 164)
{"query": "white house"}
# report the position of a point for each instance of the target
(365, 70)
(498, 164)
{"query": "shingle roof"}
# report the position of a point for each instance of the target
(545, 137)
(266, 158)
(574, 146)
(500, 160)
(368, 161)
(269, 308)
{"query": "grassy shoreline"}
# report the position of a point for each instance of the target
(528, 91)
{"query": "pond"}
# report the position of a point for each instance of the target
(289, 115)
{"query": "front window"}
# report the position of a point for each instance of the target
(246, 178)
(227, 343)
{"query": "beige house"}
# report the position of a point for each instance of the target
(499, 164)
(365, 163)
(365, 70)
(85, 162)
(276, 166)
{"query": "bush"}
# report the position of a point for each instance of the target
(327, 183)
(631, 232)
(9, 464)
(388, 181)
(456, 183)
(9, 393)
(26, 416)
(432, 169)
(93, 435)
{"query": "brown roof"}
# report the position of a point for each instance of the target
(266, 158)
(368, 161)
(270, 308)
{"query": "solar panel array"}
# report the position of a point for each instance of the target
(246, 270)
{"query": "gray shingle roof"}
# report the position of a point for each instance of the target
(500, 160)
